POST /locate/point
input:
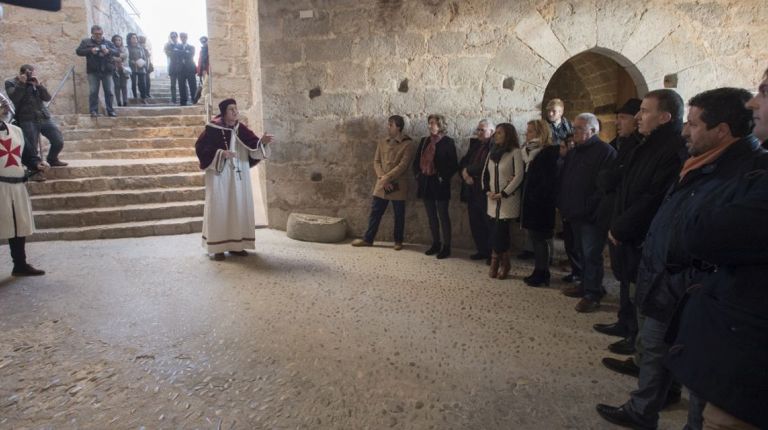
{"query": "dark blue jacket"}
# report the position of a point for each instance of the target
(579, 195)
(721, 349)
(666, 266)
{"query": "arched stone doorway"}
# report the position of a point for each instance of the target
(597, 81)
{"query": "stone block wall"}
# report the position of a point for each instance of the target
(48, 40)
(329, 82)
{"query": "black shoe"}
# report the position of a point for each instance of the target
(570, 278)
(525, 255)
(26, 270)
(620, 417)
(478, 256)
(112, 114)
(614, 329)
(242, 253)
(219, 256)
(625, 346)
(434, 249)
(444, 253)
(625, 367)
(57, 163)
(538, 278)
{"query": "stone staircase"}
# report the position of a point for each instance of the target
(130, 176)
(160, 91)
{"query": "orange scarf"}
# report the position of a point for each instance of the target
(699, 161)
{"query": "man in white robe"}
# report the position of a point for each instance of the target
(16, 222)
(227, 150)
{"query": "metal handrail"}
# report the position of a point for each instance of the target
(70, 72)
(209, 103)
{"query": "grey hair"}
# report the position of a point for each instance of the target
(591, 119)
(489, 123)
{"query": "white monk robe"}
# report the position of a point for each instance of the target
(15, 207)
(228, 220)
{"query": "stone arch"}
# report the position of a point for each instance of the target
(597, 80)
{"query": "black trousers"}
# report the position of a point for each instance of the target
(174, 86)
(540, 242)
(477, 209)
(187, 88)
(18, 251)
(571, 250)
(437, 214)
(140, 80)
(625, 260)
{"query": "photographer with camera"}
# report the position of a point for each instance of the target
(99, 53)
(29, 96)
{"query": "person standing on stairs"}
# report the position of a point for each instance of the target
(98, 53)
(29, 96)
(227, 150)
(150, 66)
(137, 58)
(172, 52)
(187, 83)
(16, 222)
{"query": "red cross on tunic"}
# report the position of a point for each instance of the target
(5, 149)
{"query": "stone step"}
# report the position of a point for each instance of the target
(128, 154)
(152, 111)
(116, 144)
(131, 133)
(100, 199)
(150, 101)
(184, 225)
(106, 183)
(117, 214)
(137, 167)
(74, 122)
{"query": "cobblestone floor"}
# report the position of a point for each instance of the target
(149, 333)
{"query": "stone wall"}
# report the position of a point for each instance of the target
(330, 81)
(48, 40)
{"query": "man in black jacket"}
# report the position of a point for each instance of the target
(99, 65)
(721, 148)
(187, 82)
(644, 171)
(471, 168)
(579, 200)
(29, 96)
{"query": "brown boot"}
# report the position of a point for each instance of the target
(494, 270)
(504, 265)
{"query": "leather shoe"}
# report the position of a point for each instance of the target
(587, 305)
(434, 249)
(444, 253)
(242, 253)
(625, 367)
(525, 255)
(57, 163)
(625, 346)
(26, 270)
(219, 256)
(570, 278)
(574, 291)
(620, 417)
(614, 329)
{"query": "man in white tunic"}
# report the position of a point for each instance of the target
(16, 221)
(227, 150)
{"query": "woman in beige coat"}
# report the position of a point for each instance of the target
(502, 178)
(392, 159)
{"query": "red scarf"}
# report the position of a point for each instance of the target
(701, 160)
(427, 161)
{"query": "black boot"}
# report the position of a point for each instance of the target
(538, 278)
(434, 249)
(26, 270)
(444, 253)
(19, 256)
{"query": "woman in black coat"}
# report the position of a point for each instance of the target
(539, 197)
(435, 164)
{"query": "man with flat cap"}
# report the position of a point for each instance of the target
(227, 150)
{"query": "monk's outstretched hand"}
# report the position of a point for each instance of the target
(267, 138)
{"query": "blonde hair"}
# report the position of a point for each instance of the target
(542, 130)
(555, 103)
(441, 125)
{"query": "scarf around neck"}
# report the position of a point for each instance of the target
(427, 161)
(701, 160)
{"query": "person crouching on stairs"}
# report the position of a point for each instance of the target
(502, 177)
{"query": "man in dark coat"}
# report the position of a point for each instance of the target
(174, 53)
(99, 64)
(471, 168)
(722, 344)
(721, 148)
(579, 200)
(187, 69)
(644, 171)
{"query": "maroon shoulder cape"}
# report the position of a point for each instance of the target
(212, 139)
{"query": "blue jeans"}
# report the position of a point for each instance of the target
(94, 79)
(378, 207)
(32, 131)
(590, 240)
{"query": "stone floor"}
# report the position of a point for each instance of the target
(149, 333)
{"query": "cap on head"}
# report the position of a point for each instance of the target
(224, 104)
(631, 107)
